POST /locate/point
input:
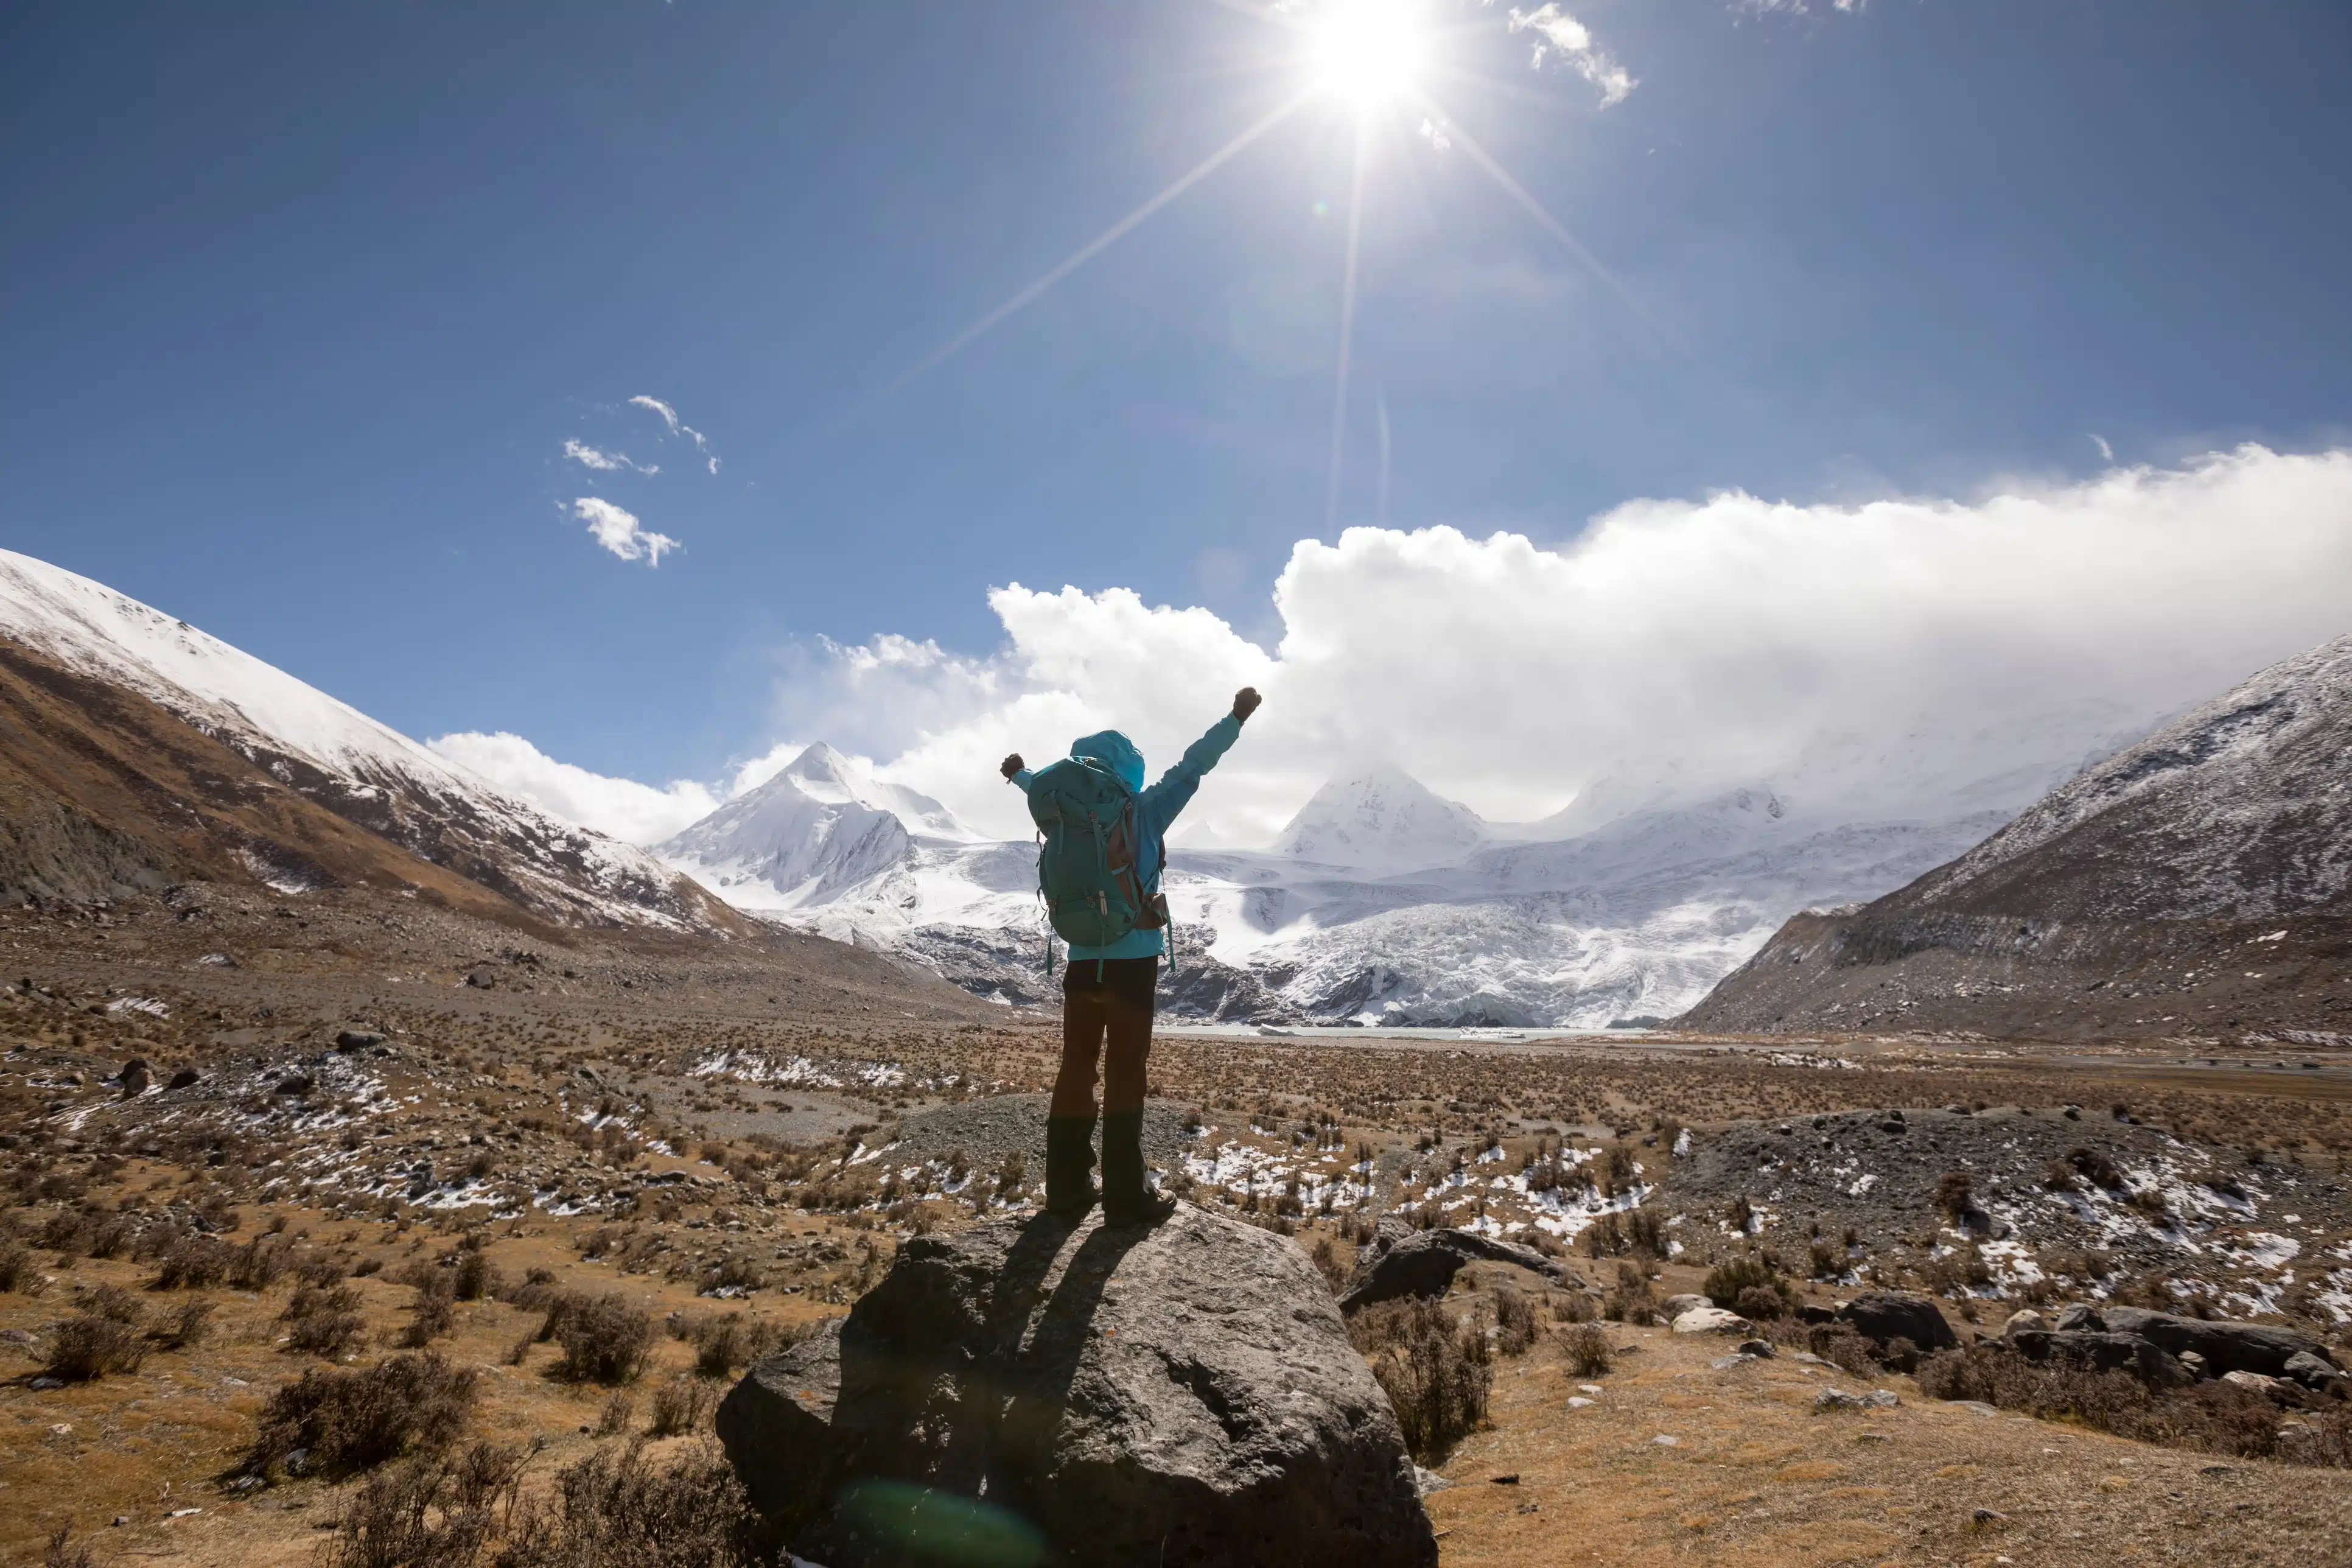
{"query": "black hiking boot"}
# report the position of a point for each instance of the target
(1069, 1165)
(1125, 1199)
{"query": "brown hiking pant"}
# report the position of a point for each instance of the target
(1105, 1002)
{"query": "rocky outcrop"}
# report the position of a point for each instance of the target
(2226, 1346)
(1885, 1316)
(1182, 1393)
(1403, 1261)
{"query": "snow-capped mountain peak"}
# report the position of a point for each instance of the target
(1382, 818)
(832, 778)
(338, 757)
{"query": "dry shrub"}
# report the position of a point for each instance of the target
(475, 1278)
(604, 1339)
(1727, 1282)
(2211, 1417)
(1589, 1354)
(618, 1411)
(1632, 1301)
(17, 1270)
(351, 1421)
(681, 1404)
(1514, 1321)
(324, 1322)
(63, 1553)
(722, 1345)
(86, 1348)
(614, 1508)
(259, 1264)
(1435, 1370)
(1842, 1348)
(196, 1264)
(442, 1511)
(187, 1325)
(116, 1305)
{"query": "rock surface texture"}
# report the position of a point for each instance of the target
(1182, 1393)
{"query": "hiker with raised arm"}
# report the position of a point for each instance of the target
(1099, 870)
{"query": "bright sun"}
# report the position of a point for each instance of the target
(1365, 51)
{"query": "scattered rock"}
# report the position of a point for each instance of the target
(1712, 1321)
(1882, 1316)
(1760, 1349)
(134, 1078)
(1686, 1302)
(1187, 1388)
(357, 1039)
(2195, 1365)
(2028, 1319)
(1427, 1482)
(1509, 1480)
(2310, 1372)
(1577, 1402)
(186, 1078)
(294, 1083)
(1664, 1440)
(2253, 1383)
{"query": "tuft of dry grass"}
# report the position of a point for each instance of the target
(442, 1509)
(681, 1404)
(614, 1507)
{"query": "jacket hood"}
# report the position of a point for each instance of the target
(1110, 747)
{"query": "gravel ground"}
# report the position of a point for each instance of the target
(1878, 1171)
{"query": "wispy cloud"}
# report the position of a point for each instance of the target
(1559, 33)
(605, 462)
(623, 808)
(678, 426)
(618, 531)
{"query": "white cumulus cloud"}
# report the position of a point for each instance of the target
(618, 531)
(618, 808)
(1558, 34)
(1874, 655)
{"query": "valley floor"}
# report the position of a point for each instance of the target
(750, 1136)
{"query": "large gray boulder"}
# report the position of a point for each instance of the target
(2226, 1346)
(1401, 1261)
(2087, 1350)
(1181, 1393)
(1885, 1316)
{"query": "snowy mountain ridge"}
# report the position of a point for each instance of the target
(336, 756)
(1383, 902)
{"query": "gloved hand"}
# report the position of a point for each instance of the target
(1245, 703)
(1011, 765)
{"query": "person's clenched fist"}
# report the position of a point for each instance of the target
(1011, 765)
(1245, 703)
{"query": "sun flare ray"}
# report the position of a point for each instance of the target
(1347, 321)
(1076, 259)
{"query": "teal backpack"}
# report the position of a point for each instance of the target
(1086, 864)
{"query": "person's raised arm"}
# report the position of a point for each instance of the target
(1159, 805)
(1014, 772)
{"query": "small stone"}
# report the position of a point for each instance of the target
(1760, 1349)
(1663, 1441)
(1588, 1388)
(47, 1383)
(1428, 1481)
(186, 1078)
(1511, 1479)
(2028, 1319)
(118, 1521)
(1835, 1399)
(1725, 1363)
(1983, 1517)
(1881, 1399)
(1577, 1402)
(1687, 1301)
(1711, 1321)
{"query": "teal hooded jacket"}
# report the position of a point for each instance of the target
(1155, 810)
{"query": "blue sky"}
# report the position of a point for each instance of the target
(299, 305)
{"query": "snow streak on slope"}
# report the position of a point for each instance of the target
(333, 753)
